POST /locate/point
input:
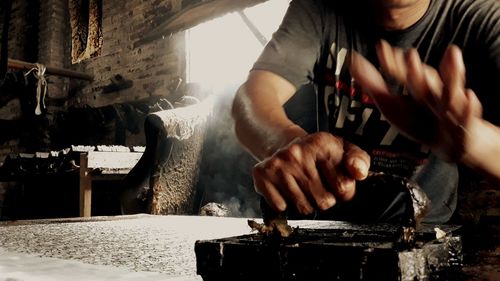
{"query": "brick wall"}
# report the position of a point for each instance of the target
(23, 28)
(22, 45)
(53, 44)
(39, 31)
(150, 66)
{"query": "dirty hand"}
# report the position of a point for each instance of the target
(314, 171)
(438, 112)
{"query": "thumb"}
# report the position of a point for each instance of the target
(356, 161)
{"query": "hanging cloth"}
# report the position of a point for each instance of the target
(41, 87)
(86, 29)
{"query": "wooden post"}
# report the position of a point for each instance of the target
(85, 187)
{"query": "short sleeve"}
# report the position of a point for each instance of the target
(295, 47)
(483, 57)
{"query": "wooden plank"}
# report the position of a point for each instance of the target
(85, 187)
(102, 165)
(108, 177)
(112, 160)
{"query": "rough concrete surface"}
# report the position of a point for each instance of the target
(25, 267)
(141, 243)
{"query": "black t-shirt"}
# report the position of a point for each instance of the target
(311, 47)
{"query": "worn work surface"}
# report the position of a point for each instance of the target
(163, 244)
(144, 247)
(25, 267)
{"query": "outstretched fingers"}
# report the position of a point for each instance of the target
(368, 77)
(392, 61)
(474, 108)
(452, 71)
(397, 109)
(423, 82)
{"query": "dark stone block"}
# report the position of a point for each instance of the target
(369, 253)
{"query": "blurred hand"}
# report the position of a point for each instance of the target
(438, 112)
(314, 171)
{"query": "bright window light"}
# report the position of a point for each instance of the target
(221, 52)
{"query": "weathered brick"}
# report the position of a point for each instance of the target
(149, 66)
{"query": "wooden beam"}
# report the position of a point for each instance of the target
(26, 66)
(194, 14)
(255, 31)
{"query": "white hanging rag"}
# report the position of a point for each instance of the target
(41, 89)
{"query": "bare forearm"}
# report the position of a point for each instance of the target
(483, 154)
(261, 124)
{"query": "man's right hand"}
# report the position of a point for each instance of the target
(311, 172)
